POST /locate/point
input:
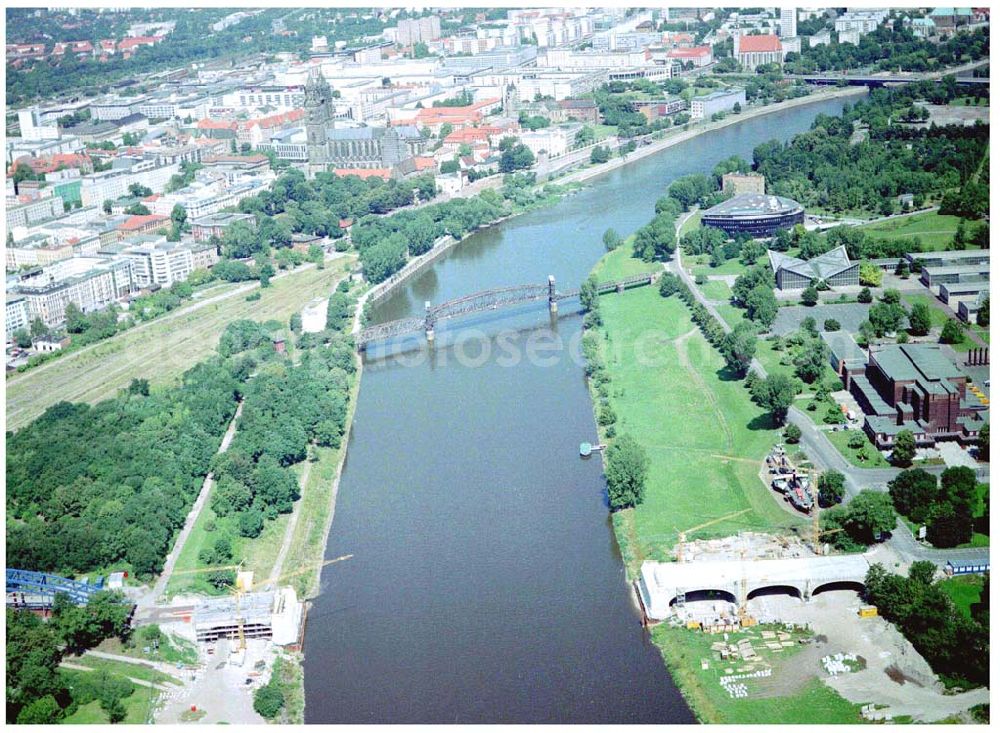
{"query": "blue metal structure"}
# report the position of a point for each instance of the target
(30, 588)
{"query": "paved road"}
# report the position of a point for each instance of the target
(206, 488)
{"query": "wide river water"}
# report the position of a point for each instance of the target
(486, 584)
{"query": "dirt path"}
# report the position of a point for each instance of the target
(206, 488)
(682, 356)
(292, 523)
(141, 683)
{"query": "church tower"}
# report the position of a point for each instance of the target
(319, 113)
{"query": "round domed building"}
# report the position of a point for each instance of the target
(759, 215)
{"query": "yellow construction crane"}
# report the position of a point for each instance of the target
(682, 536)
(240, 588)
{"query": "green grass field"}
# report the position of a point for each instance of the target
(938, 317)
(160, 351)
(704, 436)
(138, 706)
(811, 700)
(692, 223)
(875, 459)
(620, 264)
(935, 230)
(716, 290)
(963, 590)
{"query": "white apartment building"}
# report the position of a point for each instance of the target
(33, 128)
(200, 199)
(281, 97)
(418, 30)
(115, 108)
(721, 101)
(16, 313)
(851, 37)
(550, 140)
(159, 262)
(819, 39)
(789, 22)
(97, 188)
(22, 215)
(863, 21)
(92, 283)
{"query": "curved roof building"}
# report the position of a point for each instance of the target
(835, 268)
(759, 215)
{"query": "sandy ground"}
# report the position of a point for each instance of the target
(911, 690)
(218, 687)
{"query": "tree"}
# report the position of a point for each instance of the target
(670, 284)
(951, 333)
(600, 154)
(983, 442)
(178, 215)
(812, 361)
(865, 296)
(920, 319)
(295, 322)
(793, 434)
(739, 347)
(904, 448)
(983, 314)
(612, 240)
(269, 700)
(762, 306)
(958, 487)
(886, 317)
(831, 324)
(517, 157)
(38, 328)
(626, 472)
(22, 338)
(76, 322)
(107, 206)
(914, 493)
(831, 488)
(589, 297)
(810, 296)
(139, 387)
(41, 711)
(776, 393)
(869, 516)
(949, 526)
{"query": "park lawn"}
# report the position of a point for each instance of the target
(704, 437)
(683, 650)
(138, 708)
(935, 230)
(875, 458)
(770, 358)
(619, 264)
(717, 290)
(162, 350)
(938, 316)
(729, 267)
(972, 102)
(963, 590)
(730, 314)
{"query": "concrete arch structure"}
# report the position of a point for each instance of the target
(704, 594)
(773, 590)
(840, 585)
(660, 584)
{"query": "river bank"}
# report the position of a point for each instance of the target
(453, 525)
(700, 129)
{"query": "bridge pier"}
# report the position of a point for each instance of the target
(428, 322)
(553, 303)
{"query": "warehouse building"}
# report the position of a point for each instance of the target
(931, 276)
(754, 214)
(721, 101)
(834, 268)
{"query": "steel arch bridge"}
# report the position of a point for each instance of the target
(487, 300)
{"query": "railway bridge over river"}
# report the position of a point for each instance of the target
(488, 300)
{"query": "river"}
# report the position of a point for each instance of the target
(485, 584)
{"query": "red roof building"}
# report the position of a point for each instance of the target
(752, 51)
(142, 224)
(698, 55)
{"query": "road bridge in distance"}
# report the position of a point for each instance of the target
(488, 300)
(662, 584)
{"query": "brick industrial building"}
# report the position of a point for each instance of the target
(911, 387)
